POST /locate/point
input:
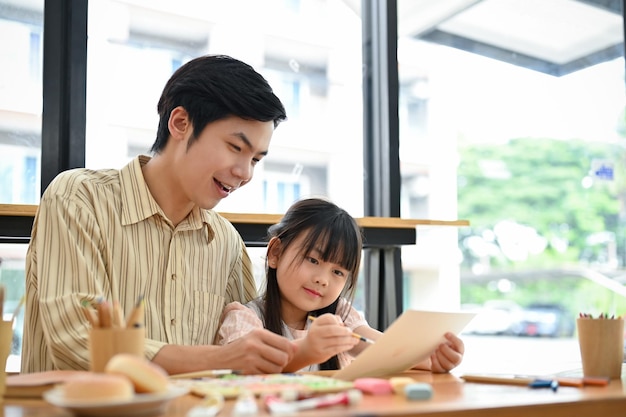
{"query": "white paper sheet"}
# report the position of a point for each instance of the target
(411, 338)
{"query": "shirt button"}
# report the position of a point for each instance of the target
(173, 276)
(173, 321)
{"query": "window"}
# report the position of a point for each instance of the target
(21, 27)
(20, 101)
(12, 277)
(520, 134)
(19, 175)
(134, 46)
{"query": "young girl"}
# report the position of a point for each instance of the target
(312, 264)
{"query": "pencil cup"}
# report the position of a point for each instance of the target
(6, 338)
(601, 344)
(104, 343)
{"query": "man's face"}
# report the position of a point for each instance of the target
(222, 159)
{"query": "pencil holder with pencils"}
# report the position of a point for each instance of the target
(104, 343)
(111, 333)
(601, 342)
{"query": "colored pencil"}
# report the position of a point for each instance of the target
(358, 336)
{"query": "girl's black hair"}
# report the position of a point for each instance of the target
(328, 228)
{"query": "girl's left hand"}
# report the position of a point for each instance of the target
(448, 355)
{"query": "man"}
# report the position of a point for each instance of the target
(148, 230)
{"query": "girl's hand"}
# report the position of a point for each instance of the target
(448, 355)
(327, 337)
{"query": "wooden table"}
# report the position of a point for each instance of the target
(452, 397)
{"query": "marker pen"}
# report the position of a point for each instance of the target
(276, 406)
(553, 384)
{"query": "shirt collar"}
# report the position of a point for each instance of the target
(138, 203)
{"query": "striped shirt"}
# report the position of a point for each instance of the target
(102, 234)
(239, 320)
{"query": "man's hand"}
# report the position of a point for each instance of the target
(258, 352)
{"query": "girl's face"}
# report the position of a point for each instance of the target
(306, 282)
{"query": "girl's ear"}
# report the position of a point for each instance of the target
(273, 252)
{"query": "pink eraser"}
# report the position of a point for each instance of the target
(374, 386)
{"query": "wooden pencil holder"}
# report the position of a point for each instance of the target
(601, 344)
(104, 343)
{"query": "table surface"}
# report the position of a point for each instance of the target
(451, 397)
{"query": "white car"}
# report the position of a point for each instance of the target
(496, 317)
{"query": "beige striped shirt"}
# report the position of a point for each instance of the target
(100, 233)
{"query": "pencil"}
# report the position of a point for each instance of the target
(104, 313)
(118, 315)
(358, 336)
(526, 380)
(136, 318)
(89, 314)
(362, 338)
(584, 381)
(498, 379)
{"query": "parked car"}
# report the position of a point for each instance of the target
(495, 317)
(547, 320)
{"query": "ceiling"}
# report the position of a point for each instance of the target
(555, 37)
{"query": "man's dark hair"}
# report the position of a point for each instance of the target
(214, 87)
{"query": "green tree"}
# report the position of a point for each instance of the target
(539, 183)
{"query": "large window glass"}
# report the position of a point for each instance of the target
(12, 278)
(512, 117)
(21, 46)
(21, 22)
(309, 50)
